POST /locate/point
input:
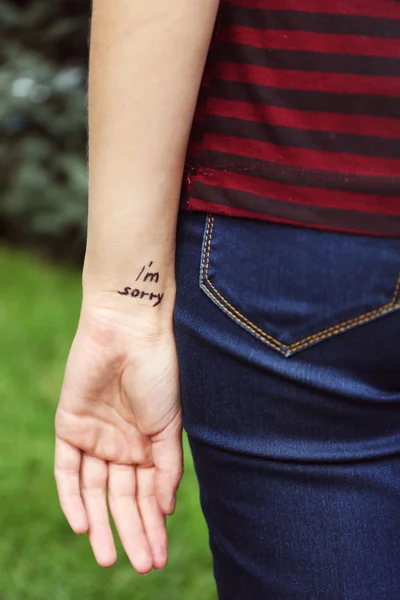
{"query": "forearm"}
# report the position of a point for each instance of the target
(146, 62)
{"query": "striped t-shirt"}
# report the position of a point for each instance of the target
(298, 115)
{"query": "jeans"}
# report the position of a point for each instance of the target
(288, 341)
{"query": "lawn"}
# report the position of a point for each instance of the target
(40, 557)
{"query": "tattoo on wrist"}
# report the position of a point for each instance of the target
(137, 292)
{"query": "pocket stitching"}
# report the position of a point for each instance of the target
(204, 277)
(285, 349)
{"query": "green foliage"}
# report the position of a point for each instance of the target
(43, 183)
(40, 557)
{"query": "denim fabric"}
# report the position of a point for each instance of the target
(288, 343)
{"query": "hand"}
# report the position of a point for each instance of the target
(119, 429)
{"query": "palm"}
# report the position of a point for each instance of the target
(118, 425)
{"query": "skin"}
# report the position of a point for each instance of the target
(118, 423)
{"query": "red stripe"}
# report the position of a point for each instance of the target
(200, 205)
(300, 194)
(304, 159)
(302, 119)
(371, 8)
(308, 80)
(306, 40)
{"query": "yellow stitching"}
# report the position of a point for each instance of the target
(325, 333)
(208, 240)
(396, 291)
(250, 323)
(317, 336)
(262, 334)
(341, 327)
(283, 348)
(243, 323)
(346, 324)
(203, 257)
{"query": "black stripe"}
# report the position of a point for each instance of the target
(362, 222)
(325, 141)
(260, 18)
(305, 60)
(291, 175)
(315, 101)
(197, 131)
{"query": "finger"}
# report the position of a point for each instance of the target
(125, 512)
(94, 474)
(67, 462)
(152, 516)
(168, 460)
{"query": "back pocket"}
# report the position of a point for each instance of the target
(292, 287)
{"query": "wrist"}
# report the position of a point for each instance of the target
(145, 290)
(111, 326)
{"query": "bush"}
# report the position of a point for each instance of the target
(43, 187)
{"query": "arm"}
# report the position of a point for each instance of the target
(146, 64)
(118, 422)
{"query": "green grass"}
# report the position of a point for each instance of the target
(40, 557)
